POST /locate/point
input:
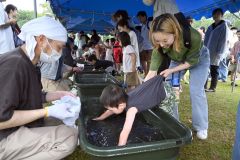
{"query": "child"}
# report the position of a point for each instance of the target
(117, 55)
(129, 61)
(115, 100)
(101, 64)
(109, 49)
(234, 52)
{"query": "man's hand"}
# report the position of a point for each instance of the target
(60, 111)
(52, 96)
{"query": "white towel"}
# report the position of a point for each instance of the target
(75, 107)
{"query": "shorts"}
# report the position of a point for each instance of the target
(232, 67)
(131, 79)
(146, 55)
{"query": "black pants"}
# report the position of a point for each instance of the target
(214, 75)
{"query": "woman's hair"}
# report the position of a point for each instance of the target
(10, 7)
(166, 23)
(124, 38)
(113, 95)
(123, 23)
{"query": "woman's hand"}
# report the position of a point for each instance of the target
(52, 96)
(166, 72)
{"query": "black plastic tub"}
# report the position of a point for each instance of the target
(175, 136)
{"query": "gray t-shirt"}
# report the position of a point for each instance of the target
(147, 95)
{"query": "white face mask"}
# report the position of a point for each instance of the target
(53, 57)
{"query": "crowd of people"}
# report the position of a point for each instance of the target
(37, 60)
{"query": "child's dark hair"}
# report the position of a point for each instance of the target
(113, 95)
(92, 58)
(10, 7)
(112, 40)
(124, 38)
(123, 23)
(217, 10)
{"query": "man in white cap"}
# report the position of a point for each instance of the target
(22, 131)
(6, 33)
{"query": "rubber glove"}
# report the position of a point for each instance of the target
(60, 111)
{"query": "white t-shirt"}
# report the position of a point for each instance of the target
(134, 43)
(127, 63)
(6, 34)
(145, 34)
(109, 55)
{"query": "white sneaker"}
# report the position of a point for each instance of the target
(203, 134)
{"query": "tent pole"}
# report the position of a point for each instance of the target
(35, 8)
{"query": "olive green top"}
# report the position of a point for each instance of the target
(185, 55)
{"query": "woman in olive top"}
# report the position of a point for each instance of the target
(167, 35)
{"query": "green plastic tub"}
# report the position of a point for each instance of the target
(177, 135)
(92, 84)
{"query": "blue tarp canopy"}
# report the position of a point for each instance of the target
(96, 14)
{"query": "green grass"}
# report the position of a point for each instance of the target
(222, 115)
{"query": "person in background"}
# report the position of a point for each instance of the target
(95, 37)
(189, 20)
(6, 40)
(146, 52)
(215, 40)
(72, 35)
(79, 43)
(223, 66)
(162, 6)
(234, 56)
(122, 14)
(22, 113)
(109, 49)
(54, 72)
(86, 52)
(123, 26)
(202, 31)
(129, 61)
(12, 14)
(68, 53)
(117, 56)
(101, 64)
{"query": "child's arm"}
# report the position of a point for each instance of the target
(133, 60)
(103, 116)
(127, 126)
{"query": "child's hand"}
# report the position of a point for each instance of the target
(97, 119)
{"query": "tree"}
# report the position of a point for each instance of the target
(24, 16)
